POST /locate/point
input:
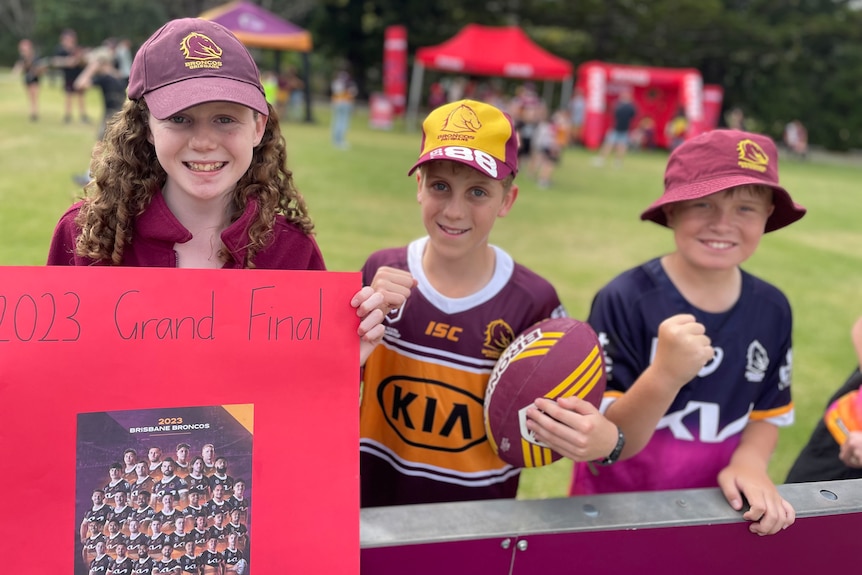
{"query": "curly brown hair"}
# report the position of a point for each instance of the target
(126, 174)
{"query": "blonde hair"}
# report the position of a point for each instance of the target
(126, 174)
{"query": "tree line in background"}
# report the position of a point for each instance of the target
(775, 59)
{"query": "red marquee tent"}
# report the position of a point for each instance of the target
(483, 50)
(489, 51)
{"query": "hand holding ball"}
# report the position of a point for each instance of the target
(559, 357)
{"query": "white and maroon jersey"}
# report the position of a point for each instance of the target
(422, 437)
(747, 380)
(123, 567)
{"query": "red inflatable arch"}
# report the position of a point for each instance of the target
(658, 92)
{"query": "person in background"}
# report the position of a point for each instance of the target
(829, 456)
(676, 129)
(736, 119)
(549, 145)
(123, 58)
(344, 93)
(101, 71)
(31, 68)
(796, 139)
(71, 59)
(578, 113)
(617, 138)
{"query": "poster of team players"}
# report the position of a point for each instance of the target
(164, 491)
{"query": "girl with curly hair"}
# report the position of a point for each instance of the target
(191, 172)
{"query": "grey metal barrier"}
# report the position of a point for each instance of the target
(685, 531)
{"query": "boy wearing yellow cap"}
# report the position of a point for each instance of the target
(422, 435)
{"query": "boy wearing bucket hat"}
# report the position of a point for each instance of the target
(191, 172)
(698, 352)
(421, 423)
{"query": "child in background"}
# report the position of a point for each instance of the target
(31, 69)
(102, 72)
(422, 437)
(823, 458)
(70, 58)
(191, 172)
(698, 351)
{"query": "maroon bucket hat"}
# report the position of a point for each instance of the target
(192, 61)
(722, 159)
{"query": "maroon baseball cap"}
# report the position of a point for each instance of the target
(472, 133)
(722, 159)
(192, 61)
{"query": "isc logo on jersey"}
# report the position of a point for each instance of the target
(432, 414)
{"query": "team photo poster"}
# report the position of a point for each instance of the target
(163, 420)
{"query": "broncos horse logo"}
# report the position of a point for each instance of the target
(498, 336)
(462, 119)
(197, 46)
(752, 156)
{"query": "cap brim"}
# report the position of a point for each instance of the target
(503, 170)
(785, 213)
(168, 100)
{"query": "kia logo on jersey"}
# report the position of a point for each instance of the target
(432, 414)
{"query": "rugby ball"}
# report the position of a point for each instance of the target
(558, 357)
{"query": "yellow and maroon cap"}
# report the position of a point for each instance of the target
(191, 61)
(721, 159)
(473, 133)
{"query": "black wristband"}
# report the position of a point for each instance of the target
(618, 449)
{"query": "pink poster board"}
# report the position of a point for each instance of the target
(260, 365)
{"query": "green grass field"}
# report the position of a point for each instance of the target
(578, 234)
